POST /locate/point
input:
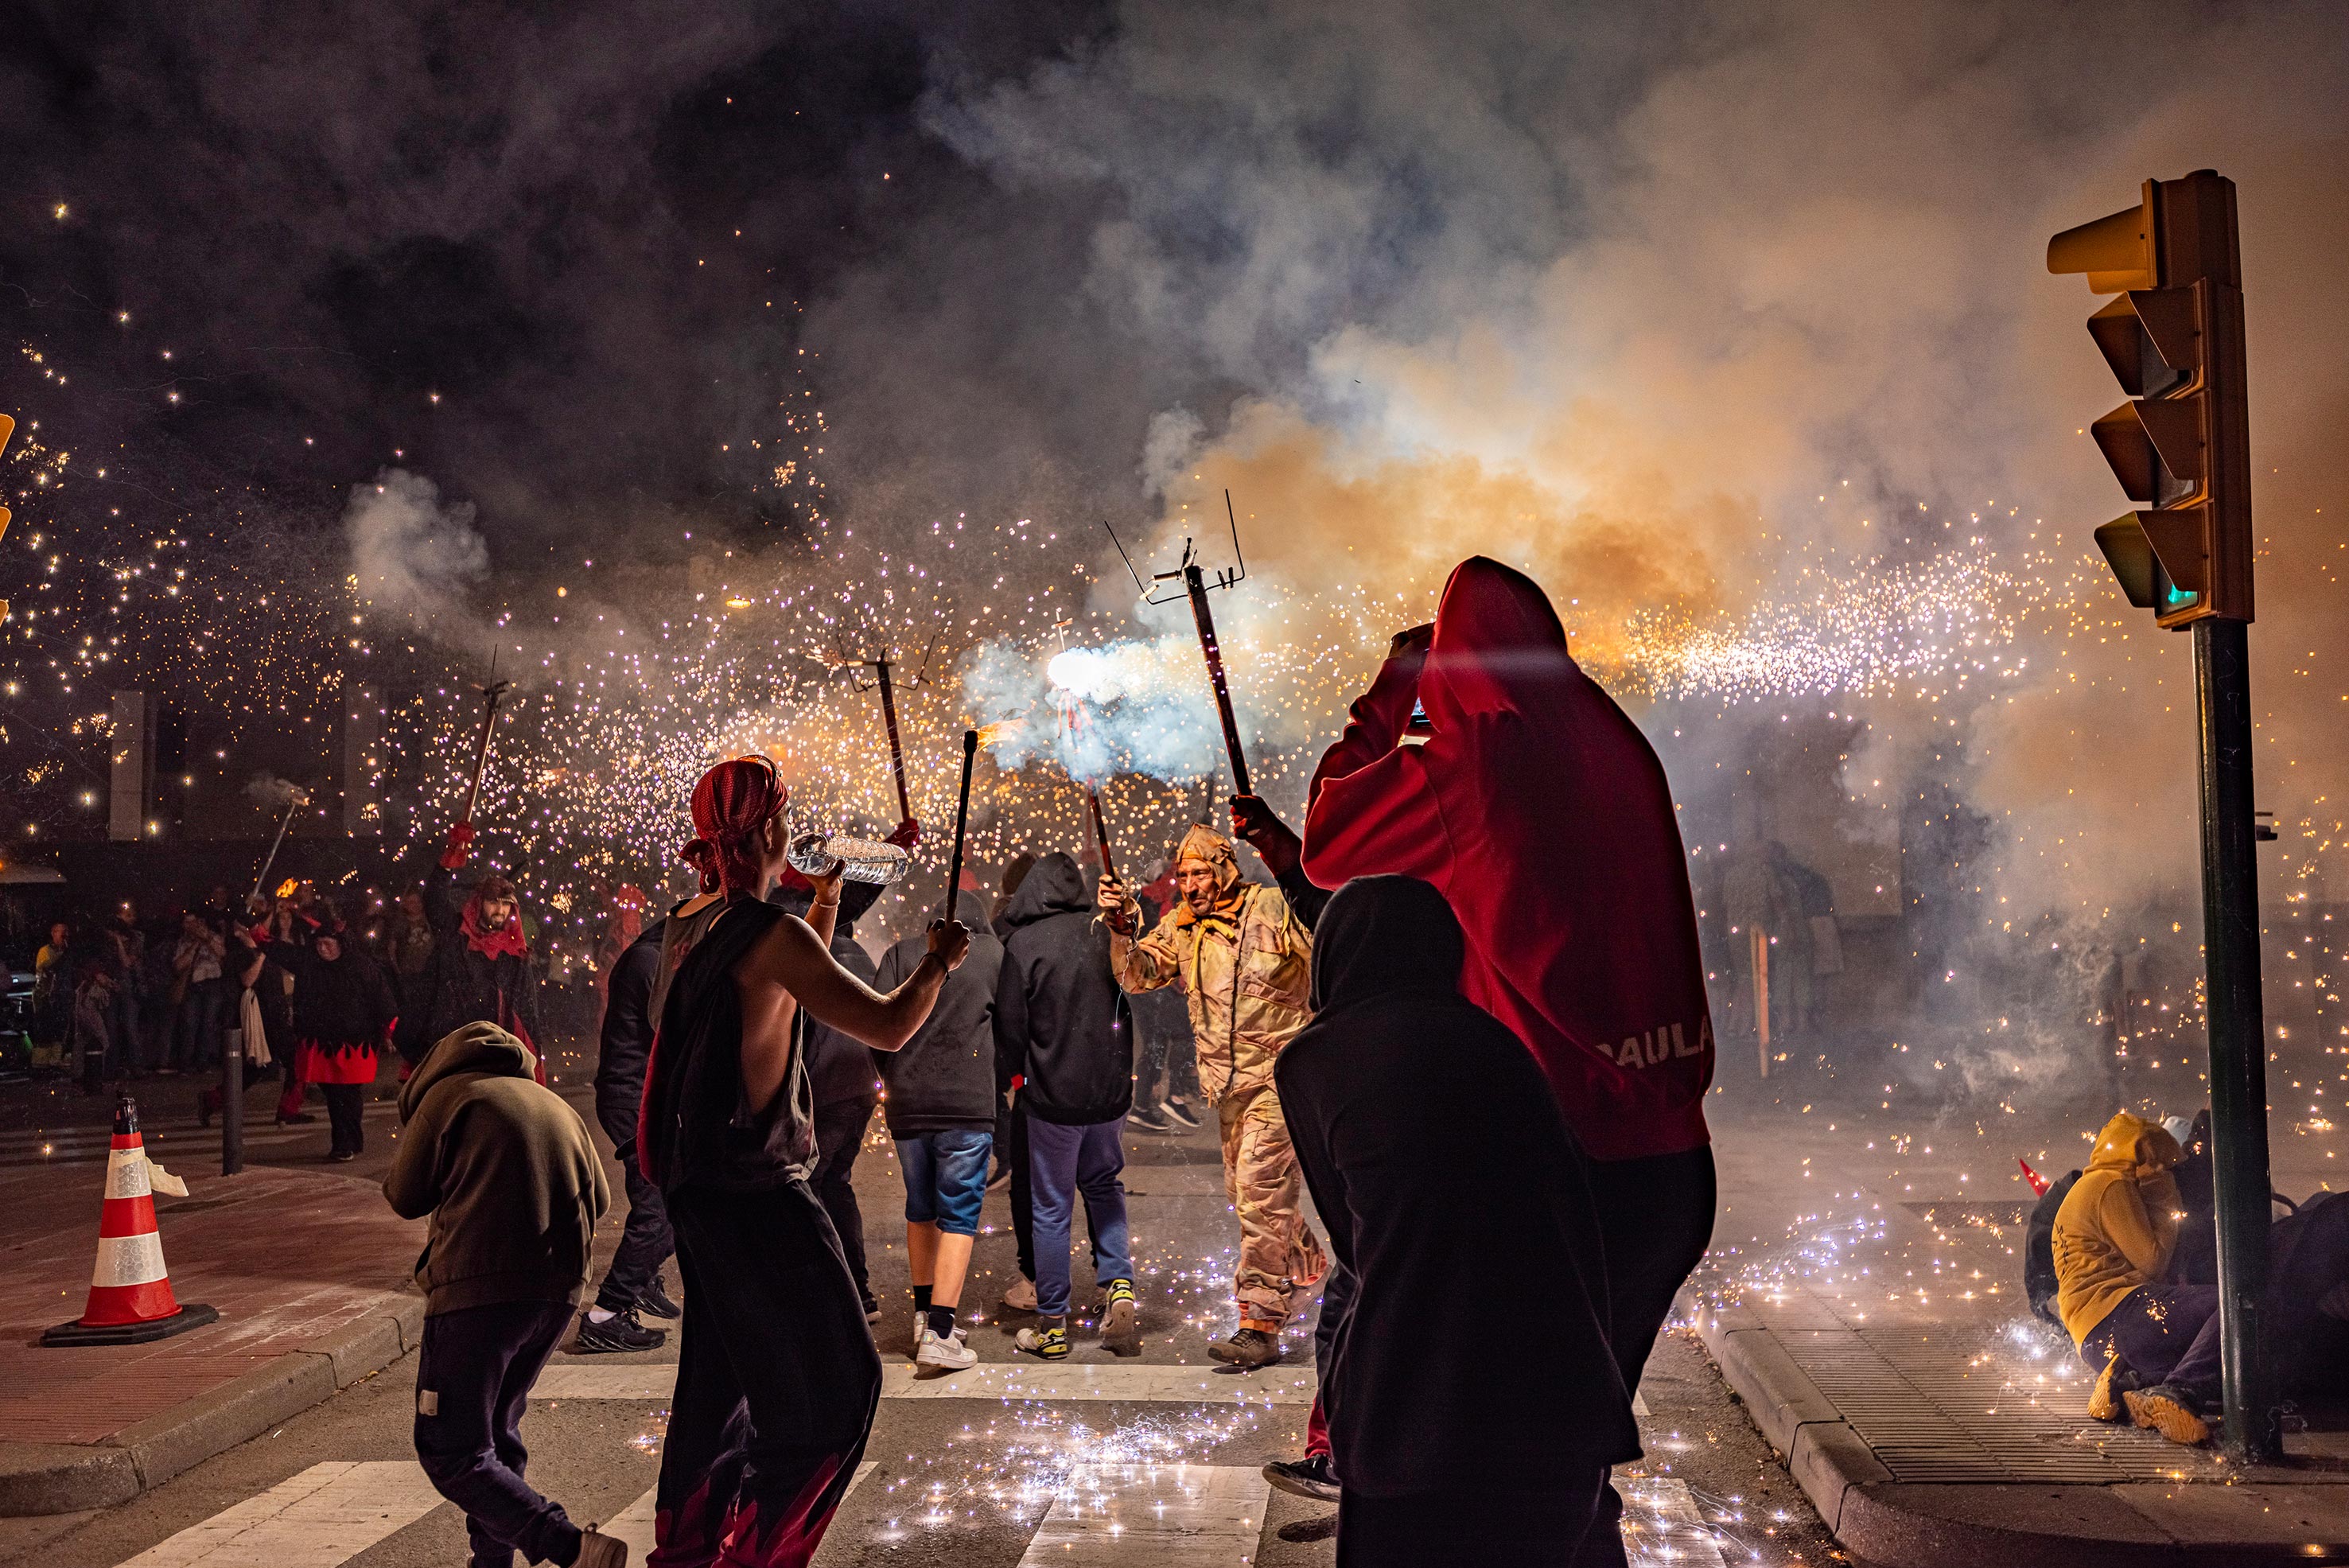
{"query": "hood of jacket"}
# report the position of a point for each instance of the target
(1053, 885)
(481, 1048)
(2132, 1147)
(1498, 645)
(1382, 935)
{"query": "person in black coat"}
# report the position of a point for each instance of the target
(845, 1085)
(342, 1010)
(1063, 1028)
(480, 971)
(1433, 1146)
(632, 1281)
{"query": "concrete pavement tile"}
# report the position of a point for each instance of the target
(1895, 1523)
(196, 1428)
(2294, 1516)
(58, 1478)
(1827, 1459)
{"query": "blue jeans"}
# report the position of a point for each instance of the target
(1061, 1162)
(946, 1176)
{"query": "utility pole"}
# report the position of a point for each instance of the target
(2181, 450)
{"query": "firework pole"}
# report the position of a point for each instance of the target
(896, 747)
(490, 695)
(962, 822)
(295, 801)
(1101, 831)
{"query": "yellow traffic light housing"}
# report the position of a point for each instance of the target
(2180, 446)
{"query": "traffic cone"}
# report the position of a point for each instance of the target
(130, 1300)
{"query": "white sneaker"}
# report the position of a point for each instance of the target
(1021, 1297)
(949, 1351)
(921, 1332)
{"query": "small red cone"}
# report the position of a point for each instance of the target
(130, 1300)
(2038, 1182)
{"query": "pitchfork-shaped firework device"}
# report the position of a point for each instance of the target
(491, 696)
(882, 667)
(1195, 586)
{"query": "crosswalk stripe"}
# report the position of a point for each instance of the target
(1661, 1526)
(1125, 1516)
(325, 1516)
(635, 1523)
(989, 1380)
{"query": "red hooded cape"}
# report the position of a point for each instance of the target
(1540, 811)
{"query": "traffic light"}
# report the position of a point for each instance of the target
(2181, 445)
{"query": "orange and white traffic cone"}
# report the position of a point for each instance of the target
(130, 1300)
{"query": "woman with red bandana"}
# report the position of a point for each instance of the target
(777, 1378)
(1539, 811)
(480, 969)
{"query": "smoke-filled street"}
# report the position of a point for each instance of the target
(1140, 784)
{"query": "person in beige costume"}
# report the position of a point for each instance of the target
(1243, 962)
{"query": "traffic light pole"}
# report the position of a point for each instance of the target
(2239, 1063)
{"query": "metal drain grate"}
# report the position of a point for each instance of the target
(1932, 1414)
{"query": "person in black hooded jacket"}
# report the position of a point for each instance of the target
(1062, 1025)
(1433, 1146)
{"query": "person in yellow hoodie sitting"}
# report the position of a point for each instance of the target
(2153, 1342)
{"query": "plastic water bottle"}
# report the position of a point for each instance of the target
(860, 859)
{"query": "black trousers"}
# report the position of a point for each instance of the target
(777, 1382)
(2164, 1333)
(1655, 1218)
(644, 1245)
(839, 1135)
(346, 1117)
(473, 1383)
(1510, 1530)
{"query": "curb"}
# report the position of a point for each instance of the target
(64, 1477)
(1881, 1520)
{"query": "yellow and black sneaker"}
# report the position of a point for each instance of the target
(1121, 1330)
(2170, 1410)
(1048, 1340)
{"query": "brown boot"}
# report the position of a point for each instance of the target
(1248, 1348)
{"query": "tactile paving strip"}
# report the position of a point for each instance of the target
(1931, 1413)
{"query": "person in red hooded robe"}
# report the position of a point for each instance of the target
(1540, 810)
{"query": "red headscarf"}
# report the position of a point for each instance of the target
(507, 940)
(731, 805)
(1541, 813)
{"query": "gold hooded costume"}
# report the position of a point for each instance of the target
(1245, 968)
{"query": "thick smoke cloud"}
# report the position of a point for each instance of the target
(414, 556)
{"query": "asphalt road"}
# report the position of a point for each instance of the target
(975, 1481)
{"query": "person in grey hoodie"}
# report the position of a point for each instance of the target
(940, 1109)
(512, 1183)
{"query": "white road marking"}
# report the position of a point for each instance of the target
(1661, 1526)
(989, 1380)
(1160, 1516)
(323, 1517)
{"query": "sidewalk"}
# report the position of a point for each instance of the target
(309, 1272)
(1885, 1347)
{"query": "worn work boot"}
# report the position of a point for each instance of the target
(1021, 1297)
(2170, 1410)
(1121, 1329)
(655, 1302)
(1312, 1475)
(2103, 1400)
(621, 1331)
(598, 1550)
(1248, 1349)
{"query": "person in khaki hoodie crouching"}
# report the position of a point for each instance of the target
(513, 1186)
